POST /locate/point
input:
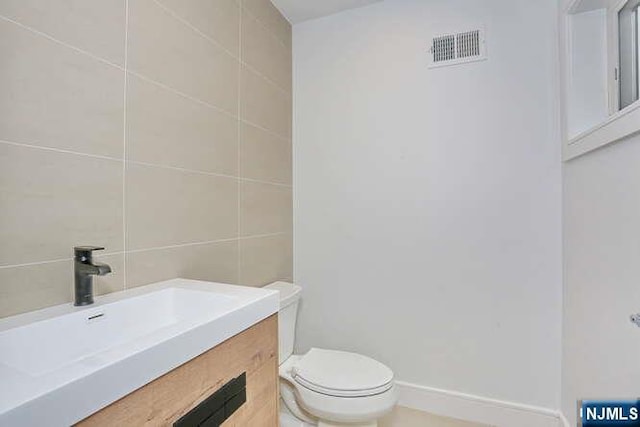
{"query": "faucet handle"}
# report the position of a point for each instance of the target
(85, 251)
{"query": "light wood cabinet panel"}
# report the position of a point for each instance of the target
(165, 400)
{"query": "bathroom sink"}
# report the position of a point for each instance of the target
(61, 364)
(42, 347)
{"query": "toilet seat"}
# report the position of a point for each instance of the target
(339, 387)
(341, 374)
(347, 409)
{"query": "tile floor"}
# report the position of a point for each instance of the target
(405, 417)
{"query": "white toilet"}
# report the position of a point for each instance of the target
(327, 388)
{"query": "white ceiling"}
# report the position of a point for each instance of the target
(302, 10)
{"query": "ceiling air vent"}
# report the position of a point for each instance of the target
(457, 48)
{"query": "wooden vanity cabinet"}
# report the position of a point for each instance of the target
(168, 398)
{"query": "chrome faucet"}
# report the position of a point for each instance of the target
(85, 269)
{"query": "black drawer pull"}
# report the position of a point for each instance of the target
(215, 409)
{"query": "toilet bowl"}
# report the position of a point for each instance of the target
(327, 388)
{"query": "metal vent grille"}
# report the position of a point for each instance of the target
(468, 44)
(457, 48)
(444, 48)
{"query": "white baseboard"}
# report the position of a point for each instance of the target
(564, 422)
(477, 409)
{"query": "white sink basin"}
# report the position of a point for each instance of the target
(45, 346)
(60, 365)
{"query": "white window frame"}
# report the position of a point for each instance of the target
(621, 123)
(614, 83)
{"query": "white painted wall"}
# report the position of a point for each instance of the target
(601, 210)
(602, 275)
(428, 202)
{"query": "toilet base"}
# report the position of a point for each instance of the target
(328, 424)
(288, 420)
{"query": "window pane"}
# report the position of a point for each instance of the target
(629, 79)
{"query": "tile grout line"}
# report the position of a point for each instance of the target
(181, 245)
(153, 165)
(265, 130)
(218, 44)
(206, 104)
(62, 43)
(182, 94)
(155, 248)
(259, 181)
(176, 91)
(213, 41)
(207, 242)
(186, 23)
(124, 145)
(124, 159)
(239, 3)
(181, 169)
(60, 150)
(239, 204)
(264, 25)
(29, 264)
(267, 79)
(215, 174)
(263, 236)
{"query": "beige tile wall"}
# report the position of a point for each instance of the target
(160, 129)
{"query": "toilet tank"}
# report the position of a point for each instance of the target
(289, 298)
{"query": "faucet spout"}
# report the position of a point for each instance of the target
(84, 270)
(93, 269)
